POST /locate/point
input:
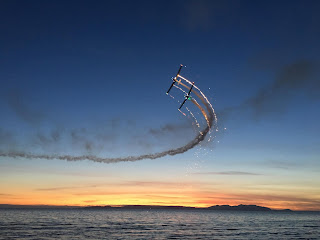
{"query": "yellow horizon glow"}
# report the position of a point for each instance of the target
(78, 187)
(187, 197)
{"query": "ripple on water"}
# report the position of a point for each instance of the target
(115, 224)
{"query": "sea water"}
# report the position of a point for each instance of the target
(156, 224)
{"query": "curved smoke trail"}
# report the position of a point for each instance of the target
(210, 118)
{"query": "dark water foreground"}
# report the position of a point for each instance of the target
(156, 224)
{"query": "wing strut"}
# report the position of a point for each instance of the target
(175, 79)
(187, 97)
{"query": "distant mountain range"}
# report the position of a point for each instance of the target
(240, 207)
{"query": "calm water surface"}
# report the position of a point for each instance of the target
(156, 224)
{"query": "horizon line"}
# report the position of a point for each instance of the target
(4, 205)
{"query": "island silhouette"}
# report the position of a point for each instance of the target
(240, 207)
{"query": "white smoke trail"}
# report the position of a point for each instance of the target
(192, 115)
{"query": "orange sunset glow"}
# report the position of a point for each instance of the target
(78, 188)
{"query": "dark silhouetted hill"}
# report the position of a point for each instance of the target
(239, 208)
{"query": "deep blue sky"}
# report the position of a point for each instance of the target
(90, 76)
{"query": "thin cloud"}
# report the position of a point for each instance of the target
(64, 188)
(6, 195)
(90, 201)
(283, 164)
(166, 184)
(228, 173)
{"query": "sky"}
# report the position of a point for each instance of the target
(89, 78)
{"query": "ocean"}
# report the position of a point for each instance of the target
(156, 224)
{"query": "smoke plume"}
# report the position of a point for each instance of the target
(210, 117)
(300, 78)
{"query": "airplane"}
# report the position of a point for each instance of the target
(187, 97)
(175, 79)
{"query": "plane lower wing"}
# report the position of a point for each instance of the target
(183, 103)
(170, 87)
